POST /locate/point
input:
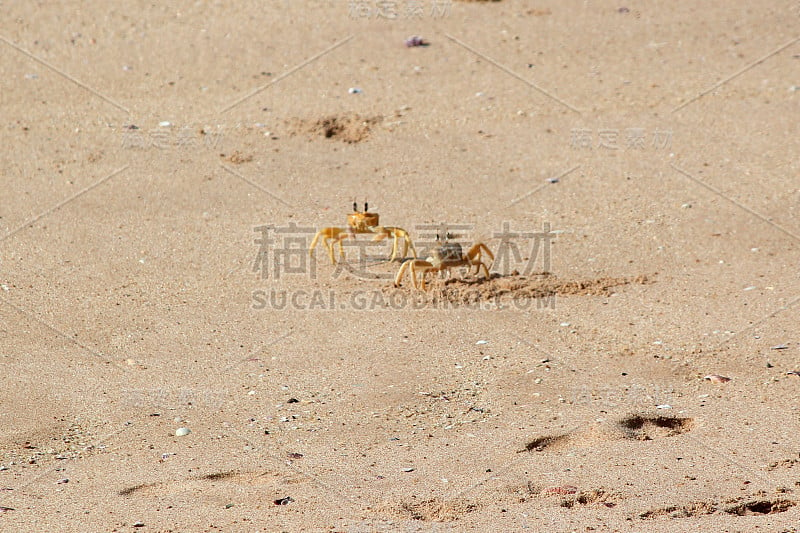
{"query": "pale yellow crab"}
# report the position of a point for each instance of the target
(362, 222)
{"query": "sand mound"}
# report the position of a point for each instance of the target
(348, 127)
(434, 509)
(516, 287)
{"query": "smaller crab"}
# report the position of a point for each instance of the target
(443, 258)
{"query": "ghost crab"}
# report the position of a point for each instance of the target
(362, 222)
(444, 257)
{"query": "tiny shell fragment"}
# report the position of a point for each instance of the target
(416, 40)
(716, 378)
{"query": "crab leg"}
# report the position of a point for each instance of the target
(383, 232)
(474, 255)
(330, 236)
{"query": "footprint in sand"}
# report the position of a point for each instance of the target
(633, 427)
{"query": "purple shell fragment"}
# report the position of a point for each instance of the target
(416, 40)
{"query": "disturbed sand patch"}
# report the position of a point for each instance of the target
(430, 510)
(736, 506)
(516, 287)
(593, 496)
(698, 508)
(570, 495)
(649, 427)
(347, 127)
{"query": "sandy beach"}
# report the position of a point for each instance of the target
(174, 359)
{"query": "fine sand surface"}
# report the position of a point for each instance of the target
(632, 166)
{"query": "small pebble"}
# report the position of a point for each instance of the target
(780, 347)
(793, 373)
(664, 406)
(354, 90)
(138, 524)
(284, 501)
(482, 342)
(182, 432)
(552, 180)
(408, 470)
(686, 206)
(164, 124)
(62, 481)
(750, 288)
(716, 378)
(416, 40)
